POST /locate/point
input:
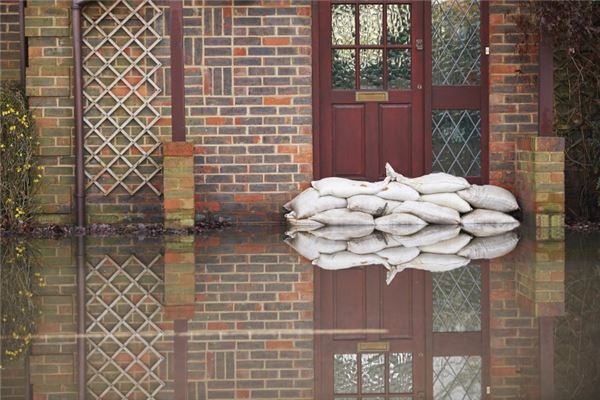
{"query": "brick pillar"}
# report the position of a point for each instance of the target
(178, 175)
(540, 180)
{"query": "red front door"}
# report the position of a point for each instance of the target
(370, 88)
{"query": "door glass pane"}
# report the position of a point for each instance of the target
(343, 66)
(343, 24)
(400, 372)
(455, 42)
(371, 69)
(457, 377)
(398, 24)
(345, 378)
(457, 300)
(398, 64)
(456, 142)
(371, 24)
(372, 372)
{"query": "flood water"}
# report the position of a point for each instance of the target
(241, 314)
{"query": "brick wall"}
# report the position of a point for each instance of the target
(513, 90)
(9, 40)
(248, 104)
(49, 81)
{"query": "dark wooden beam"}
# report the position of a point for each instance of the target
(177, 72)
(546, 84)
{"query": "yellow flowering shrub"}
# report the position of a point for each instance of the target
(19, 174)
(20, 280)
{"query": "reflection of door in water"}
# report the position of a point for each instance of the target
(423, 336)
(377, 342)
(371, 88)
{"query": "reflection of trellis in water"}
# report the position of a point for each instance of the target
(119, 87)
(122, 308)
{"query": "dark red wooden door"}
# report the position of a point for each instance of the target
(371, 88)
(371, 339)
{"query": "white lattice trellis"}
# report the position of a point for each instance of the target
(122, 333)
(119, 70)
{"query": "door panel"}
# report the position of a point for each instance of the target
(349, 138)
(395, 121)
(349, 304)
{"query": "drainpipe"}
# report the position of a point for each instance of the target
(23, 44)
(79, 150)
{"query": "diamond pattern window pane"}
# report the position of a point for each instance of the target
(456, 142)
(343, 24)
(455, 42)
(371, 24)
(345, 367)
(123, 309)
(457, 300)
(119, 87)
(343, 65)
(457, 377)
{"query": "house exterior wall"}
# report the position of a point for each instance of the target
(248, 107)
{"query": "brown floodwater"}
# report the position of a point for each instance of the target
(240, 314)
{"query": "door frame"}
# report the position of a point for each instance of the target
(426, 157)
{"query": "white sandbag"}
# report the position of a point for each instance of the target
(343, 216)
(429, 212)
(436, 262)
(346, 259)
(438, 182)
(490, 197)
(371, 204)
(449, 246)
(310, 246)
(490, 247)
(399, 192)
(400, 230)
(310, 202)
(292, 220)
(450, 200)
(367, 244)
(399, 255)
(342, 187)
(486, 230)
(343, 232)
(429, 235)
(399, 219)
(480, 216)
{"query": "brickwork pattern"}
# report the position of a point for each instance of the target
(256, 298)
(10, 52)
(513, 105)
(248, 104)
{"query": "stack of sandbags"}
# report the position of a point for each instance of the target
(436, 198)
(433, 248)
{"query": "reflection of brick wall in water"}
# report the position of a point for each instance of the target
(250, 298)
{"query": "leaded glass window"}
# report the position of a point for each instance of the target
(457, 377)
(456, 142)
(456, 46)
